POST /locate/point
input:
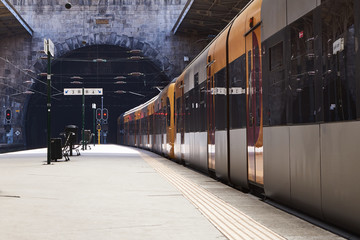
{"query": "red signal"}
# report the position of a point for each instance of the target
(8, 114)
(98, 114)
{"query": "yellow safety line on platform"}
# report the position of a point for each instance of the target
(229, 220)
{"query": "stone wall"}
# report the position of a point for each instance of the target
(142, 24)
(14, 82)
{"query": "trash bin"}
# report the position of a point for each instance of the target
(56, 151)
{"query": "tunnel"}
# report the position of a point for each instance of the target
(127, 77)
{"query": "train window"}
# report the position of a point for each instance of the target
(151, 125)
(178, 114)
(192, 116)
(302, 71)
(275, 88)
(276, 57)
(174, 102)
(196, 79)
(202, 108)
(220, 100)
(168, 112)
(338, 60)
(187, 113)
(237, 98)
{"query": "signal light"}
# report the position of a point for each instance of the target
(105, 114)
(8, 114)
(98, 114)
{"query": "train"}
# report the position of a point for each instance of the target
(272, 104)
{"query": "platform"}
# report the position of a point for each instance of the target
(115, 192)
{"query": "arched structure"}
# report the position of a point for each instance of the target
(113, 39)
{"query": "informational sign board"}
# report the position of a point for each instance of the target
(87, 91)
(51, 48)
(45, 46)
(338, 46)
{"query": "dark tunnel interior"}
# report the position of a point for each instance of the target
(127, 77)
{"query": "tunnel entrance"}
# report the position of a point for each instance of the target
(128, 78)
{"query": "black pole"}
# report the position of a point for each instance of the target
(94, 108)
(48, 106)
(83, 118)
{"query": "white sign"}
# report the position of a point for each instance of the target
(45, 46)
(51, 48)
(93, 91)
(87, 91)
(338, 46)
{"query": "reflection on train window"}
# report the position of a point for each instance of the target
(187, 113)
(196, 79)
(237, 76)
(338, 42)
(168, 112)
(202, 106)
(276, 56)
(178, 114)
(220, 100)
(302, 71)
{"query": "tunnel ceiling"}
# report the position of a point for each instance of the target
(124, 75)
(128, 79)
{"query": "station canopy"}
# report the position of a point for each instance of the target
(205, 17)
(11, 23)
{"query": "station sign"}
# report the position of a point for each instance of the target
(338, 46)
(87, 91)
(49, 47)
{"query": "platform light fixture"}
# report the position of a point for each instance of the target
(99, 60)
(120, 78)
(119, 82)
(135, 58)
(136, 74)
(30, 81)
(135, 51)
(76, 78)
(76, 82)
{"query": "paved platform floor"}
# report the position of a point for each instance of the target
(115, 192)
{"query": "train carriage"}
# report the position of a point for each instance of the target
(272, 104)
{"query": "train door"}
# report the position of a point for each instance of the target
(254, 108)
(168, 126)
(180, 118)
(210, 108)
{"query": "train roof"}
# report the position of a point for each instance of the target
(142, 105)
(217, 36)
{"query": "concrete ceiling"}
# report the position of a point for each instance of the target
(11, 23)
(207, 17)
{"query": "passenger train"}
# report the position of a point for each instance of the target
(272, 103)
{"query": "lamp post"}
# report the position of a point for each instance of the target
(83, 118)
(48, 103)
